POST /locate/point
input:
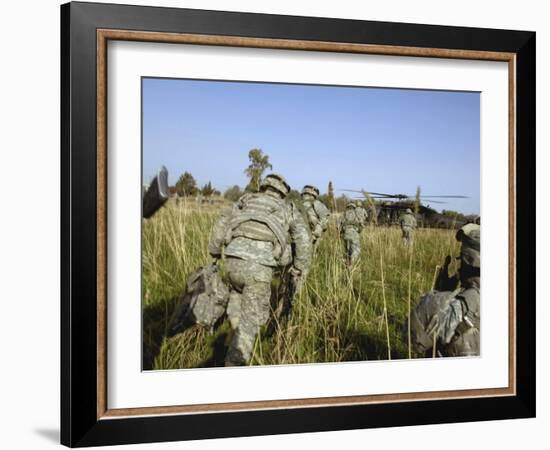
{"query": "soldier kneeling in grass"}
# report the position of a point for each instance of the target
(448, 318)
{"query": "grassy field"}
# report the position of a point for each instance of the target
(340, 314)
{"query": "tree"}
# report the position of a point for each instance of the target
(342, 202)
(417, 200)
(294, 196)
(233, 193)
(258, 164)
(186, 185)
(207, 190)
(330, 197)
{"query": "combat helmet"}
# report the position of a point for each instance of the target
(469, 237)
(311, 190)
(350, 205)
(277, 182)
(408, 211)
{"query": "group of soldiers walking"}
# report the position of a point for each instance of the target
(355, 218)
(264, 236)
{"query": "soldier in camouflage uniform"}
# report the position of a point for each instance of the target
(361, 213)
(350, 227)
(408, 225)
(450, 317)
(261, 233)
(317, 214)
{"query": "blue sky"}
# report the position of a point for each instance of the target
(382, 140)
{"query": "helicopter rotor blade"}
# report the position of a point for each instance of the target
(378, 196)
(369, 193)
(381, 194)
(443, 196)
(351, 190)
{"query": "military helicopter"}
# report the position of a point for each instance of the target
(389, 208)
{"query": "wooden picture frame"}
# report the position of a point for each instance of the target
(85, 417)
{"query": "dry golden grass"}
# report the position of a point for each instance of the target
(340, 314)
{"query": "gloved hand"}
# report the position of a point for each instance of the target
(317, 231)
(295, 272)
(444, 282)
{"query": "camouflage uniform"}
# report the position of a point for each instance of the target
(316, 213)
(261, 233)
(350, 227)
(451, 319)
(408, 225)
(361, 213)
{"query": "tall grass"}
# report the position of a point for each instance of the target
(340, 314)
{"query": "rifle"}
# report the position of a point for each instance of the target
(290, 292)
(157, 194)
(444, 282)
(284, 313)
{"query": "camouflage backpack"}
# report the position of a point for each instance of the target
(432, 306)
(204, 300)
(322, 212)
(351, 220)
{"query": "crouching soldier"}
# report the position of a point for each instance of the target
(449, 318)
(317, 214)
(261, 233)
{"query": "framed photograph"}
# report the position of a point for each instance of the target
(278, 224)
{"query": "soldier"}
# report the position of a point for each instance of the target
(386, 216)
(449, 318)
(350, 228)
(261, 233)
(361, 213)
(408, 225)
(317, 214)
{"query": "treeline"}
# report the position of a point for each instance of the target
(459, 216)
(186, 186)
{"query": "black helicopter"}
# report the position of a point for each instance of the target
(389, 208)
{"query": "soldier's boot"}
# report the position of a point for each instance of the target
(234, 357)
(182, 319)
(241, 346)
